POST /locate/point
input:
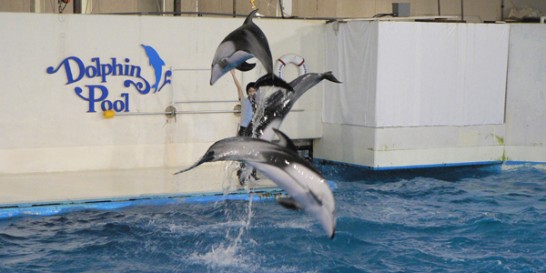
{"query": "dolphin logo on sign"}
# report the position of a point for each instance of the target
(97, 95)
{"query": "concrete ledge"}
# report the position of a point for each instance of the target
(411, 146)
(84, 186)
(535, 154)
(438, 157)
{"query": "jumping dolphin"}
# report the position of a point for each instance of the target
(282, 165)
(157, 64)
(281, 101)
(243, 43)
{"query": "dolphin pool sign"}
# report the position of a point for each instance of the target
(97, 95)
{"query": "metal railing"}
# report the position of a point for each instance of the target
(171, 111)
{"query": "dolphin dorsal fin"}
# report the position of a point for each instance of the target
(285, 141)
(250, 16)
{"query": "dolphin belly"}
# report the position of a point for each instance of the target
(227, 63)
(316, 199)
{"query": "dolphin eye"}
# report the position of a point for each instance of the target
(209, 156)
(223, 63)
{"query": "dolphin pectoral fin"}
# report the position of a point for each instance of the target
(289, 203)
(329, 76)
(236, 60)
(244, 66)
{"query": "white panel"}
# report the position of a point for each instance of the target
(351, 53)
(441, 74)
(526, 106)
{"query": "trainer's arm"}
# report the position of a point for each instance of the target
(238, 84)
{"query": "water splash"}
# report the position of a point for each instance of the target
(262, 102)
(229, 183)
(231, 253)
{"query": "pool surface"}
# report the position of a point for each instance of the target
(465, 219)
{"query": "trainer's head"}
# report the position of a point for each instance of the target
(251, 89)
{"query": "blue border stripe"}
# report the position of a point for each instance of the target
(430, 166)
(54, 208)
(445, 165)
(48, 209)
(512, 163)
(423, 166)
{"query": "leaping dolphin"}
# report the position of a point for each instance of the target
(243, 43)
(278, 104)
(282, 165)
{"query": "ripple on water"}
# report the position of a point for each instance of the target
(449, 220)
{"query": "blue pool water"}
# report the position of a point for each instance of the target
(464, 219)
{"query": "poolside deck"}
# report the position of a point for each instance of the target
(90, 186)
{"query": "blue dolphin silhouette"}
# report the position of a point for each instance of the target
(157, 64)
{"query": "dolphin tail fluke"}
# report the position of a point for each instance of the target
(329, 76)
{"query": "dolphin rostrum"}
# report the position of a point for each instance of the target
(243, 43)
(278, 104)
(282, 165)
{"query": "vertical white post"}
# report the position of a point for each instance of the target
(287, 8)
(87, 6)
(36, 6)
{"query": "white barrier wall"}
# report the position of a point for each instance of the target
(482, 111)
(403, 101)
(417, 74)
(526, 96)
(59, 71)
(415, 94)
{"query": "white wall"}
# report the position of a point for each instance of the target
(526, 98)
(465, 127)
(402, 74)
(46, 126)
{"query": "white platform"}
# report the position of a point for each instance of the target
(44, 188)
